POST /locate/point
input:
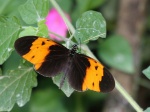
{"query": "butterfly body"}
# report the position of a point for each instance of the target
(51, 58)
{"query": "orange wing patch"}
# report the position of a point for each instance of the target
(38, 51)
(93, 76)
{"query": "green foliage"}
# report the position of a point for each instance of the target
(0, 71)
(17, 77)
(10, 29)
(28, 31)
(116, 52)
(90, 26)
(66, 88)
(34, 11)
(17, 80)
(42, 29)
(147, 110)
(81, 7)
(10, 7)
(146, 72)
(16, 87)
(16, 84)
(66, 6)
(49, 102)
(88, 4)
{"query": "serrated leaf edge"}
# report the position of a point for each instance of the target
(14, 80)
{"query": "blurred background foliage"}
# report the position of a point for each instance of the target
(115, 52)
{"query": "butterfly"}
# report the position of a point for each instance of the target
(51, 58)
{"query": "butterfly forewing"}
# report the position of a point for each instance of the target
(49, 58)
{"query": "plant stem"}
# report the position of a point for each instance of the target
(117, 85)
(128, 97)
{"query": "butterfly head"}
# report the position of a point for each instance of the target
(73, 50)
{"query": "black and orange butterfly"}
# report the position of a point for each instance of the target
(51, 58)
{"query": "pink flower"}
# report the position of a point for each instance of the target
(56, 24)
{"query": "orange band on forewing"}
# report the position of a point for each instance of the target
(93, 76)
(38, 51)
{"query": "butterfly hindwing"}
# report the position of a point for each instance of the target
(49, 58)
(77, 71)
(88, 73)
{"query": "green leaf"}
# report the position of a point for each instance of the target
(47, 100)
(116, 52)
(0, 72)
(146, 72)
(34, 10)
(9, 63)
(96, 3)
(25, 108)
(16, 83)
(147, 110)
(109, 12)
(42, 29)
(9, 7)
(28, 31)
(9, 31)
(89, 4)
(65, 6)
(66, 88)
(93, 96)
(84, 6)
(90, 26)
(16, 87)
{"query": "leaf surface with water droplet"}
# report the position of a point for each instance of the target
(90, 26)
(34, 11)
(16, 83)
